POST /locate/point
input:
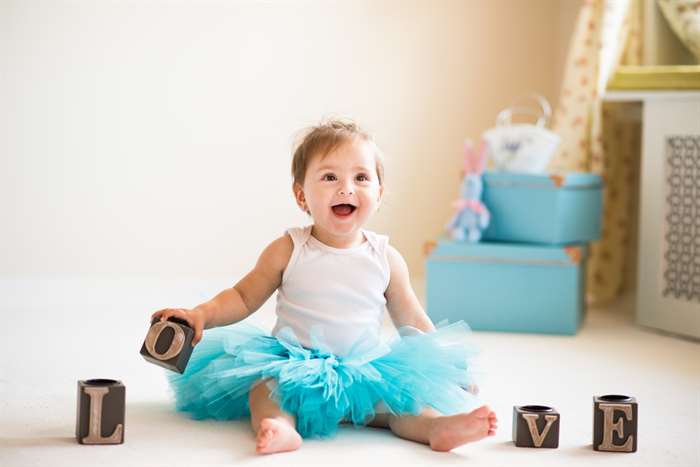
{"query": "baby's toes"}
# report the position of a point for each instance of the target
(492, 428)
(481, 412)
(264, 436)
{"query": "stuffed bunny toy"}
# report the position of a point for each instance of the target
(471, 216)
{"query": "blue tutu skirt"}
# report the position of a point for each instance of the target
(321, 389)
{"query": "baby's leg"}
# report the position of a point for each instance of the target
(274, 429)
(442, 433)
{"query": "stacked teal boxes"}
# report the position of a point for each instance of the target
(543, 209)
(528, 274)
(507, 286)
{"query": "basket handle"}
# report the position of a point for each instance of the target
(543, 112)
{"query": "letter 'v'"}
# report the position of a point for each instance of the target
(531, 419)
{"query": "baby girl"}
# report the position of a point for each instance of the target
(324, 363)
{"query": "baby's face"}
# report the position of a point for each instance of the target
(341, 190)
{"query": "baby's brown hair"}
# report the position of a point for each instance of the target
(323, 138)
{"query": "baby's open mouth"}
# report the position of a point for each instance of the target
(343, 209)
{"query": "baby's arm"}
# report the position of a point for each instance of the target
(401, 301)
(244, 298)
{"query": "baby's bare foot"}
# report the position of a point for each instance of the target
(449, 432)
(276, 436)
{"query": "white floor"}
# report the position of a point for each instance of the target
(55, 332)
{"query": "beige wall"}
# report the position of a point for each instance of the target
(566, 23)
(153, 138)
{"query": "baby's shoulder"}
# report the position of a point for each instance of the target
(277, 254)
(283, 244)
(391, 249)
(394, 257)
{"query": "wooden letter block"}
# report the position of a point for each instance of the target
(615, 423)
(535, 426)
(168, 344)
(101, 405)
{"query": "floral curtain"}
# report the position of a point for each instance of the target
(597, 136)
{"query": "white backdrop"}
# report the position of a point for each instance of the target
(152, 138)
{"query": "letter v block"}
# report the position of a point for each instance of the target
(101, 406)
(168, 344)
(615, 423)
(535, 426)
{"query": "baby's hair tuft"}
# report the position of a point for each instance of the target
(323, 138)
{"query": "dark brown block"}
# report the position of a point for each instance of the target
(101, 406)
(615, 423)
(535, 426)
(168, 344)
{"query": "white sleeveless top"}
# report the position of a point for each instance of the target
(336, 292)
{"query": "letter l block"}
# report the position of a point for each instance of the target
(101, 409)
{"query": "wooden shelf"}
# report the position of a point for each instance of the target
(666, 77)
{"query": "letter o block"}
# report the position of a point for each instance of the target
(101, 407)
(535, 426)
(168, 344)
(614, 423)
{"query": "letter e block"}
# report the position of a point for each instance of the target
(168, 344)
(101, 406)
(614, 423)
(535, 426)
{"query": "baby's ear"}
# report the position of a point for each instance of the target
(299, 196)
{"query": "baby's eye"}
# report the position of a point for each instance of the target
(329, 178)
(362, 178)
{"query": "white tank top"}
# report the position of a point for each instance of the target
(336, 292)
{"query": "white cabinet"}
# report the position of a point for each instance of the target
(668, 278)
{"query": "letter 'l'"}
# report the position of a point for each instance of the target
(95, 434)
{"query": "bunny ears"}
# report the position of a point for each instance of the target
(474, 161)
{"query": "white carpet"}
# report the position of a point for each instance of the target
(55, 332)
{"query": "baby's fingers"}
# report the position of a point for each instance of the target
(161, 314)
(157, 314)
(173, 312)
(197, 335)
(191, 319)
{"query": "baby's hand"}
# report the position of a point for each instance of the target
(195, 318)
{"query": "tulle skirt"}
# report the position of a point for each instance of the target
(415, 371)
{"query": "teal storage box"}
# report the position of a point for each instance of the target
(507, 287)
(546, 209)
